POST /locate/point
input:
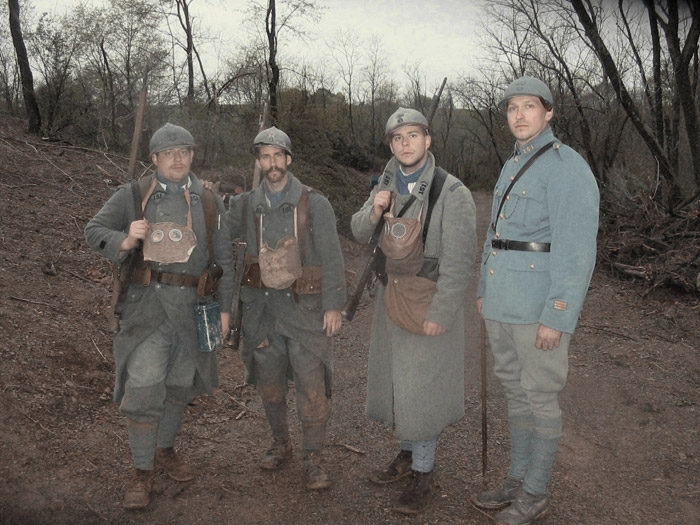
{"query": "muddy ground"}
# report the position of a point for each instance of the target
(630, 451)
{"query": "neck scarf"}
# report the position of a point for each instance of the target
(404, 180)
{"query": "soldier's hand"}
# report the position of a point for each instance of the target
(480, 304)
(432, 328)
(208, 185)
(137, 232)
(547, 338)
(332, 321)
(381, 203)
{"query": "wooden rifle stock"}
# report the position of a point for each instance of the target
(123, 273)
(234, 335)
(359, 283)
(361, 279)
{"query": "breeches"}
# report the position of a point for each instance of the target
(308, 372)
(157, 369)
(532, 378)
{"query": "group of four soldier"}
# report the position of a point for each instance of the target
(536, 266)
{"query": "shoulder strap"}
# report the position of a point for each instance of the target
(525, 167)
(209, 203)
(435, 189)
(302, 216)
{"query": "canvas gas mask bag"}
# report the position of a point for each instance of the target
(280, 266)
(169, 242)
(402, 242)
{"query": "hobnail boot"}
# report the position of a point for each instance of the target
(174, 466)
(276, 455)
(500, 496)
(138, 491)
(316, 476)
(418, 495)
(524, 510)
(400, 467)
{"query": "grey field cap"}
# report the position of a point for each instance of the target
(526, 86)
(273, 137)
(170, 136)
(404, 117)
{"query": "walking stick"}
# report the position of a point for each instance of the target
(484, 440)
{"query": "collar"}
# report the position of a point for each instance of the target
(173, 187)
(389, 179)
(540, 140)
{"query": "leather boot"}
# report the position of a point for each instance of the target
(276, 455)
(418, 495)
(399, 468)
(138, 491)
(316, 476)
(524, 510)
(500, 496)
(173, 465)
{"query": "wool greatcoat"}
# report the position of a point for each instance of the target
(147, 306)
(416, 382)
(267, 310)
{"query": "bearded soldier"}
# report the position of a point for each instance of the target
(415, 375)
(292, 295)
(171, 225)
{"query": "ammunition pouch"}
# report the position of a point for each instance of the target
(208, 282)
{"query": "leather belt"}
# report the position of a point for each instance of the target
(174, 279)
(521, 246)
(309, 282)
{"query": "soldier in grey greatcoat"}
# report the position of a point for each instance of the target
(537, 263)
(292, 294)
(160, 366)
(416, 372)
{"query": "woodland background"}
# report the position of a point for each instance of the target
(624, 76)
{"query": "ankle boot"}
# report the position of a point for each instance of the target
(138, 491)
(174, 466)
(316, 476)
(276, 455)
(400, 467)
(418, 495)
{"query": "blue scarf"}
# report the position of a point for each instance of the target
(404, 180)
(276, 199)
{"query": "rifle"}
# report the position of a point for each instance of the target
(234, 335)
(123, 273)
(364, 279)
(239, 249)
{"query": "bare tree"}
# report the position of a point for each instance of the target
(345, 50)
(30, 103)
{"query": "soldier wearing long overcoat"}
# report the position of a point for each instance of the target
(415, 380)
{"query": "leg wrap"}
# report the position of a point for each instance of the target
(142, 441)
(277, 418)
(545, 443)
(521, 429)
(170, 424)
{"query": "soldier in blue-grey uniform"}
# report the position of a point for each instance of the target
(292, 294)
(415, 373)
(538, 259)
(160, 366)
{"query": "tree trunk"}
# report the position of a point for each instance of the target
(274, 78)
(25, 70)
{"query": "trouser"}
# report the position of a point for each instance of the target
(532, 379)
(308, 372)
(160, 376)
(422, 454)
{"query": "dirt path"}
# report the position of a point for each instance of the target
(630, 451)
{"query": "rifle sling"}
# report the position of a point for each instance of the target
(520, 173)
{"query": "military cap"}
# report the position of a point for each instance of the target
(526, 86)
(170, 136)
(404, 117)
(273, 137)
